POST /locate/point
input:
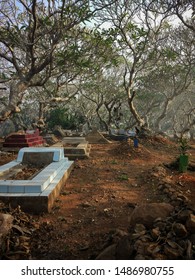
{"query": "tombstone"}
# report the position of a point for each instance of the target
(19, 140)
(37, 193)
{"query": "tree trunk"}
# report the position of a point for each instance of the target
(139, 120)
(101, 120)
(17, 91)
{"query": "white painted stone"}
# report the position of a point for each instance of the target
(39, 183)
(7, 166)
(58, 153)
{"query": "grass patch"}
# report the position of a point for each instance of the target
(114, 162)
(123, 177)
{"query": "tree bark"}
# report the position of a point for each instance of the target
(17, 91)
(139, 120)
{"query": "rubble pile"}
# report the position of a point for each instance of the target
(168, 238)
(16, 229)
(156, 231)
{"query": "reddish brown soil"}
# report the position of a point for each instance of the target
(100, 195)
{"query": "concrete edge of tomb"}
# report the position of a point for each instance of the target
(40, 202)
(58, 152)
(38, 183)
(6, 167)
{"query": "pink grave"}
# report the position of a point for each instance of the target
(29, 139)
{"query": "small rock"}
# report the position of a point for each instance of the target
(172, 244)
(106, 210)
(108, 253)
(139, 228)
(172, 190)
(62, 219)
(160, 225)
(190, 224)
(124, 250)
(166, 191)
(140, 247)
(161, 187)
(155, 232)
(140, 257)
(192, 238)
(179, 230)
(183, 197)
(171, 253)
(120, 233)
(153, 248)
(170, 235)
(173, 196)
(183, 215)
(85, 204)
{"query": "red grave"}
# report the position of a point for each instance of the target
(29, 139)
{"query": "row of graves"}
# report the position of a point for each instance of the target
(51, 158)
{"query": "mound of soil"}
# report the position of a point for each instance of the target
(127, 149)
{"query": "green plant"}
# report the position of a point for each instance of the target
(183, 145)
(114, 161)
(123, 177)
(64, 118)
(184, 157)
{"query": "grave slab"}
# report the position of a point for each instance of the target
(75, 147)
(30, 138)
(38, 194)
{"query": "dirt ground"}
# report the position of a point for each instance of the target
(100, 195)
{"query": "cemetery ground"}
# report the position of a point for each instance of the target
(91, 219)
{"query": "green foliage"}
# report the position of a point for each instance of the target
(92, 50)
(123, 177)
(62, 117)
(114, 161)
(183, 145)
(136, 31)
(170, 54)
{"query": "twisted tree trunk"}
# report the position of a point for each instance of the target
(17, 91)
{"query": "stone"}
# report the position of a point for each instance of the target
(153, 249)
(124, 249)
(171, 253)
(155, 232)
(183, 215)
(146, 214)
(140, 257)
(139, 228)
(85, 204)
(183, 197)
(192, 238)
(108, 253)
(179, 230)
(190, 224)
(120, 232)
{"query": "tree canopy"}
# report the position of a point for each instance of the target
(127, 60)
